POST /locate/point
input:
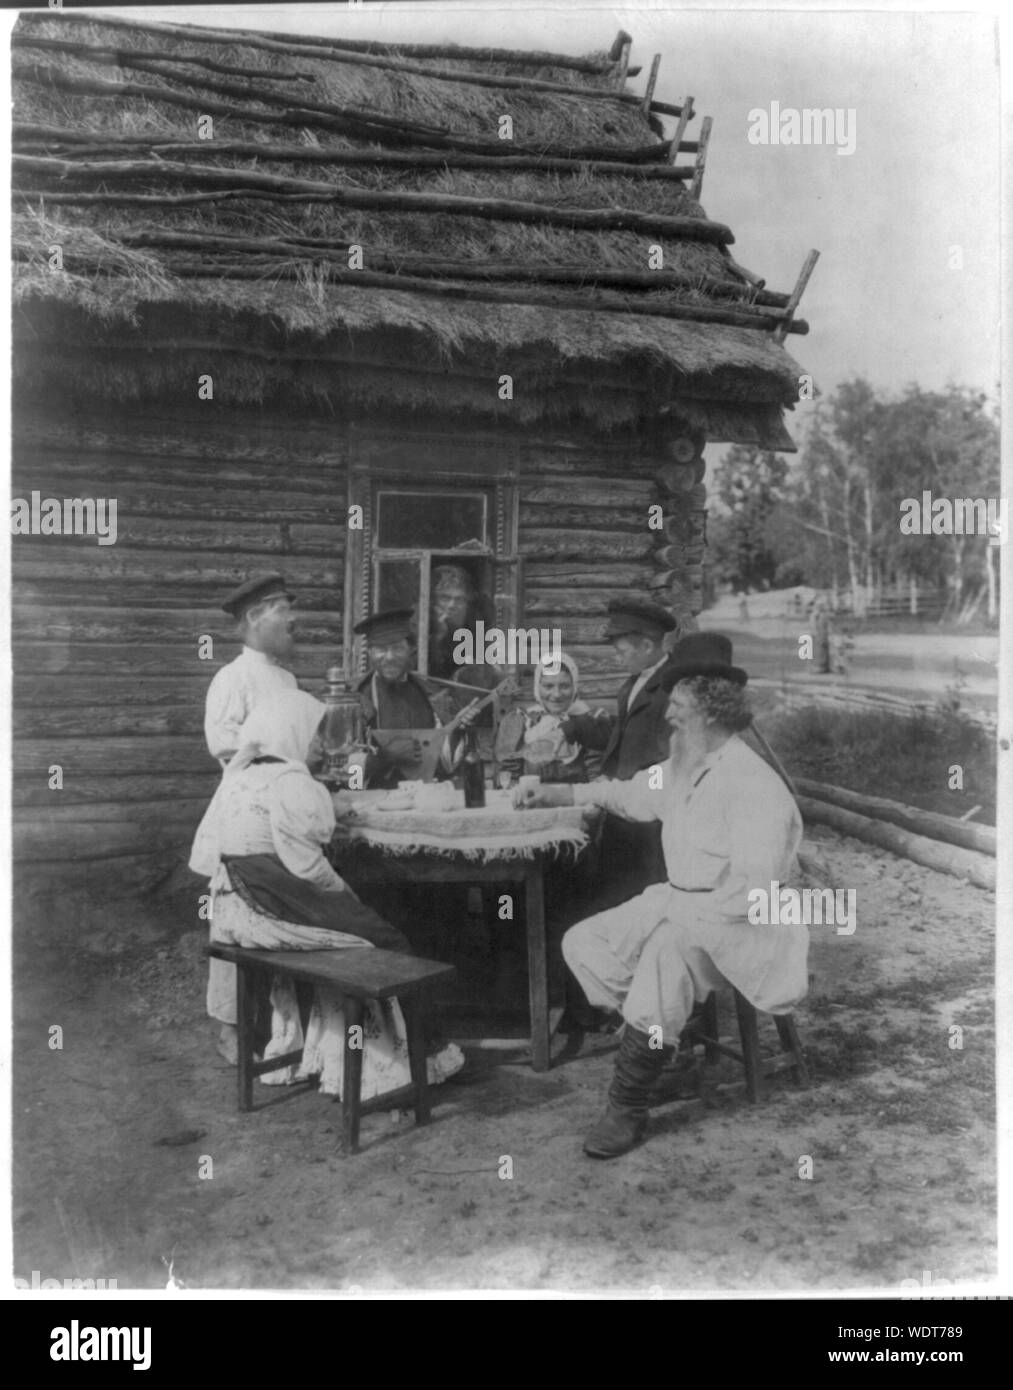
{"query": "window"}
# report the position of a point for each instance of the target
(439, 535)
(431, 552)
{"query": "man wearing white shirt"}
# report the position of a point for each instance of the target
(728, 825)
(262, 608)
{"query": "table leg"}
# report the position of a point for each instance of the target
(351, 1081)
(538, 986)
(246, 1019)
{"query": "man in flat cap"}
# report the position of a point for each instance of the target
(262, 609)
(638, 738)
(729, 826)
(392, 695)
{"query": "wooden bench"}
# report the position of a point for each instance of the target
(359, 975)
(704, 1028)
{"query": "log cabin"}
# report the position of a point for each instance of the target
(262, 281)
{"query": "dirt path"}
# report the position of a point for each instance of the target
(898, 1126)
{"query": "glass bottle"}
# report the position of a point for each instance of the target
(472, 771)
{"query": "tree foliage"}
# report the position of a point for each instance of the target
(832, 518)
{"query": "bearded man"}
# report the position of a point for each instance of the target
(728, 825)
(262, 609)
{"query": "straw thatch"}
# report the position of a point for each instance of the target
(480, 256)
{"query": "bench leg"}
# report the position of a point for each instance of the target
(750, 1034)
(351, 1086)
(788, 1034)
(414, 1011)
(246, 1022)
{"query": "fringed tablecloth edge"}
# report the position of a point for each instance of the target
(507, 847)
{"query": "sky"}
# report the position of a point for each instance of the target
(907, 225)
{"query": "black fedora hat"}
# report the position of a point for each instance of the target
(702, 654)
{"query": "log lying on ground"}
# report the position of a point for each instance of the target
(931, 823)
(977, 868)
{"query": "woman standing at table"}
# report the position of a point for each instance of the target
(261, 843)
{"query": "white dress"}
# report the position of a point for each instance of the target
(275, 808)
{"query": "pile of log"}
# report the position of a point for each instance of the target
(939, 842)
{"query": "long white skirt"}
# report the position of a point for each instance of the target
(384, 1042)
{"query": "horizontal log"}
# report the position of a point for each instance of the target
(546, 574)
(592, 492)
(146, 691)
(445, 204)
(149, 788)
(212, 573)
(584, 545)
(107, 721)
(566, 517)
(929, 823)
(978, 869)
(88, 758)
(565, 603)
(55, 591)
(89, 144)
(103, 880)
(574, 629)
(127, 660)
(109, 624)
(266, 538)
(205, 498)
(243, 444)
(345, 121)
(72, 840)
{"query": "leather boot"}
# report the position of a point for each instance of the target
(624, 1122)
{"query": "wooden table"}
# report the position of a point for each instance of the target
(366, 865)
(370, 867)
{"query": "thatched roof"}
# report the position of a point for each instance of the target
(479, 255)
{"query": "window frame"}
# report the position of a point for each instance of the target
(377, 465)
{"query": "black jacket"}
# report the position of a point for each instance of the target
(640, 735)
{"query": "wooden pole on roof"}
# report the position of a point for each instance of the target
(807, 269)
(620, 55)
(655, 65)
(701, 157)
(687, 115)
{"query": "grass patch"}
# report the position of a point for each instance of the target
(903, 757)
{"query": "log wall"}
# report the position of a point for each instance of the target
(108, 679)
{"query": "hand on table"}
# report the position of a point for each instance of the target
(548, 794)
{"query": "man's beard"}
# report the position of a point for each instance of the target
(686, 752)
(282, 649)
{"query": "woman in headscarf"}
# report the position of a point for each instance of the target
(536, 736)
(261, 843)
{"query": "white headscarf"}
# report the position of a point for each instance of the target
(281, 728)
(543, 736)
(549, 665)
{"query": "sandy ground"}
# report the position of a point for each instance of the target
(111, 1133)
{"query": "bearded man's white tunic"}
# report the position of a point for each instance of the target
(728, 826)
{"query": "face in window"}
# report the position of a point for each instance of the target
(452, 606)
(391, 660)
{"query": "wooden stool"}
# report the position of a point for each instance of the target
(359, 974)
(704, 1028)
